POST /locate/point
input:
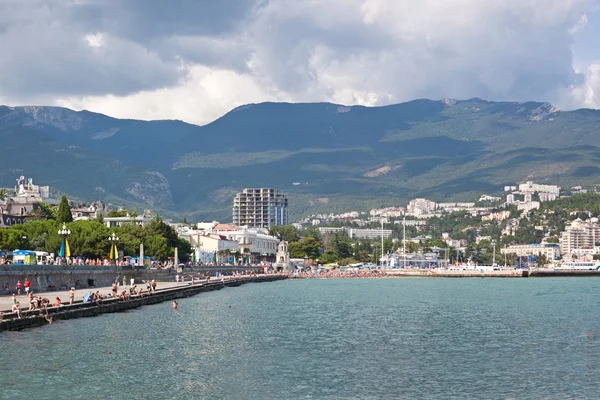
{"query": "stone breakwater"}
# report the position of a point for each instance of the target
(30, 319)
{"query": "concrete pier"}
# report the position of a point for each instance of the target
(30, 319)
(62, 277)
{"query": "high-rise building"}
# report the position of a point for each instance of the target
(580, 235)
(260, 208)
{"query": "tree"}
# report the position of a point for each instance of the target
(156, 246)
(284, 232)
(115, 213)
(305, 247)
(48, 210)
(64, 212)
(3, 194)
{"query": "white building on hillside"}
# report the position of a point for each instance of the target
(421, 206)
(580, 235)
(550, 250)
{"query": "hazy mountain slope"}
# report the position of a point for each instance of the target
(325, 155)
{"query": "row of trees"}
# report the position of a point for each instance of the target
(90, 238)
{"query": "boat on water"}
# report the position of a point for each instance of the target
(579, 265)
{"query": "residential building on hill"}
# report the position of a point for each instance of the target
(530, 187)
(550, 250)
(580, 235)
(112, 222)
(260, 208)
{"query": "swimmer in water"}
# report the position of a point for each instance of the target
(174, 304)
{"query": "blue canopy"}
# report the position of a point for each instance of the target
(23, 253)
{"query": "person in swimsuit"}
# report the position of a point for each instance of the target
(71, 295)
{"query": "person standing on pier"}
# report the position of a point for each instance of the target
(132, 282)
(71, 295)
(19, 287)
(27, 285)
(153, 285)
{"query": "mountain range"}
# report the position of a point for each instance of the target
(328, 157)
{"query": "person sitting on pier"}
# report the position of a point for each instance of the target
(16, 309)
(124, 296)
(57, 302)
(97, 297)
(153, 284)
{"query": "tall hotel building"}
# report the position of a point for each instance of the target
(260, 208)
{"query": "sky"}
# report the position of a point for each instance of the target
(195, 60)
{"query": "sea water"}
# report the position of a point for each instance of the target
(326, 339)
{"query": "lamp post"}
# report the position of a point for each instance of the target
(63, 233)
(494, 253)
(381, 261)
(114, 252)
(404, 240)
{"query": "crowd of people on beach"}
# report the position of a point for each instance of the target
(338, 273)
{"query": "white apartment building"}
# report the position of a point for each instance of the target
(496, 216)
(580, 235)
(550, 250)
(530, 187)
(547, 196)
(355, 233)
(528, 206)
(260, 208)
(369, 233)
(112, 222)
(330, 229)
(421, 206)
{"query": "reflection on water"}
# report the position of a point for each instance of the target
(342, 339)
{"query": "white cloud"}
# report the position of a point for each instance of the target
(140, 60)
(203, 96)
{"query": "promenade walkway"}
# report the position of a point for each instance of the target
(6, 302)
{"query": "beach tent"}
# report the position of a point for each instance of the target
(24, 257)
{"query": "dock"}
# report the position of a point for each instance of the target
(35, 318)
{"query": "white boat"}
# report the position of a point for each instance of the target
(579, 265)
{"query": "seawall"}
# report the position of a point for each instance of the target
(61, 277)
(34, 318)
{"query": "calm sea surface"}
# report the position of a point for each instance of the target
(326, 339)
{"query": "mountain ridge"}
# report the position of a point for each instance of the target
(440, 148)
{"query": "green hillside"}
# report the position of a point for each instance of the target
(327, 157)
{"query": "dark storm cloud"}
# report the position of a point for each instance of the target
(347, 51)
(46, 44)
